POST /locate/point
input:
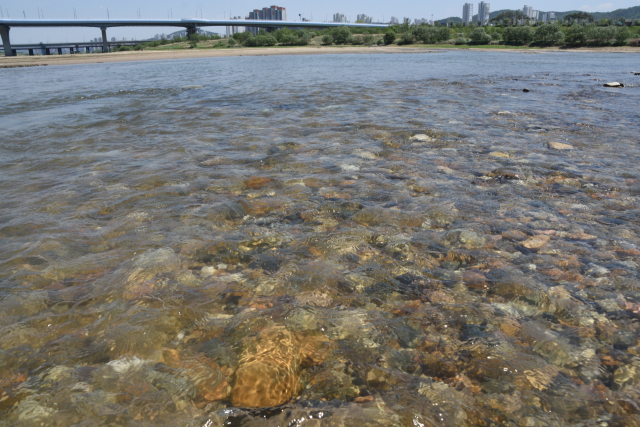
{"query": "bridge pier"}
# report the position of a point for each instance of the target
(191, 31)
(59, 51)
(30, 52)
(4, 33)
(47, 51)
(105, 44)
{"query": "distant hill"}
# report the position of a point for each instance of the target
(629, 13)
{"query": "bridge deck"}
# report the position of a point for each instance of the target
(191, 26)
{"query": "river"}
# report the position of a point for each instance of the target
(339, 240)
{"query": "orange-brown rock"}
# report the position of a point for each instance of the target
(257, 182)
(10, 392)
(509, 326)
(475, 280)
(536, 241)
(581, 236)
(628, 252)
(558, 274)
(268, 373)
(336, 195)
(568, 261)
(438, 367)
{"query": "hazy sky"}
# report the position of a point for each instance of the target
(159, 9)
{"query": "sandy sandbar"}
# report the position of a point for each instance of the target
(154, 55)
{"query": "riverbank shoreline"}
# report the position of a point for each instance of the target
(155, 55)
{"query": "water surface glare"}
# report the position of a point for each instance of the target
(339, 240)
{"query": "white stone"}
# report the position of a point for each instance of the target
(207, 271)
(421, 137)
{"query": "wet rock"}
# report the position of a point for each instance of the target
(507, 175)
(257, 182)
(153, 262)
(526, 90)
(437, 367)
(380, 379)
(596, 270)
(464, 238)
(302, 320)
(500, 154)
(627, 375)
(475, 280)
(173, 382)
(266, 263)
(31, 411)
(516, 235)
(188, 278)
(528, 296)
(560, 146)
(359, 282)
(421, 137)
(207, 271)
(334, 382)
(624, 339)
(228, 211)
(407, 335)
(368, 217)
(555, 353)
(283, 149)
(268, 371)
(208, 378)
(536, 242)
(613, 84)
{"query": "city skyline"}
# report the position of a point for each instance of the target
(119, 9)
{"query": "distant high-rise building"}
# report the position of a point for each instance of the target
(273, 13)
(365, 19)
(527, 11)
(393, 20)
(420, 21)
(232, 30)
(547, 17)
(338, 17)
(483, 13)
(467, 13)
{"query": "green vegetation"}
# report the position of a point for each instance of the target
(389, 37)
(428, 34)
(518, 35)
(548, 34)
(479, 36)
(577, 29)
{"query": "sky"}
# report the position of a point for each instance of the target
(319, 11)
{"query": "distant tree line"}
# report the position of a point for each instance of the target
(510, 27)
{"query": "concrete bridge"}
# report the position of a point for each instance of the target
(72, 47)
(191, 25)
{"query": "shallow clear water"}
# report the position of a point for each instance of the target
(366, 239)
